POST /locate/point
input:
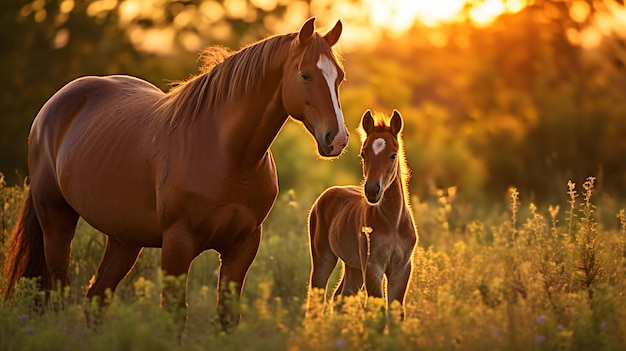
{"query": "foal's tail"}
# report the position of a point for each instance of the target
(25, 257)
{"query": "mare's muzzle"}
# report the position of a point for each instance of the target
(332, 144)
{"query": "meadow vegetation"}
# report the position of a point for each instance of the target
(521, 278)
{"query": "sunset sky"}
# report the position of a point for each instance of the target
(364, 21)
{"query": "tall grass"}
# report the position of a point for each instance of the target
(521, 278)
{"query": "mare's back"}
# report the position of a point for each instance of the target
(91, 98)
(92, 108)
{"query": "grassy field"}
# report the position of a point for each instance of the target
(519, 278)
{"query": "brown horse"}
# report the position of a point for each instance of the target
(371, 228)
(186, 171)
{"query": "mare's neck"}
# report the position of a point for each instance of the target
(254, 127)
(249, 124)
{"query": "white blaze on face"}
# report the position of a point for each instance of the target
(329, 70)
(378, 145)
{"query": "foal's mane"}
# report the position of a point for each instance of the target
(225, 75)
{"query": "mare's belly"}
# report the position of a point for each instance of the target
(234, 217)
(113, 196)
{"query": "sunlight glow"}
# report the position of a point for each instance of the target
(514, 6)
(366, 21)
(484, 13)
(400, 15)
(579, 11)
(101, 7)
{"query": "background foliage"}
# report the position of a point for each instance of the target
(519, 279)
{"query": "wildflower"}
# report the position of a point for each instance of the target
(542, 319)
(540, 338)
(23, 317)
(560, 327)
(341, 343)
(30, 330)
(604, 325)
(494, 333)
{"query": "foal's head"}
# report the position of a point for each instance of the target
(379, 153)
(310, 87)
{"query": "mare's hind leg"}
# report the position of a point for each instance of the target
(117, 260)
(58, 222)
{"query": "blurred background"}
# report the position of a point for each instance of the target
(495, 93)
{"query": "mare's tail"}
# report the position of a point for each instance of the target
(25, 257)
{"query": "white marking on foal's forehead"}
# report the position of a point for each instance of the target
(329, 70)
(378, 145)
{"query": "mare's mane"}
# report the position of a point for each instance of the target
(225, 76)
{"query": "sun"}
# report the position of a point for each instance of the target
(398, 16)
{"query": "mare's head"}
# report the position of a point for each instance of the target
(379, 154)
(310, 87)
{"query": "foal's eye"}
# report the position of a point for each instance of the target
(306, 78)
(394, 156)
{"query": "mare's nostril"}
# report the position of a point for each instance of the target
(328, 139)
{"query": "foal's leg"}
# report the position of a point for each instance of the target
(397, 282)
(352, 281)
(374, 280)
(233, 270)
(323, 262)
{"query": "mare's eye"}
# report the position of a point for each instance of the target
(394, 156)
(306, 78)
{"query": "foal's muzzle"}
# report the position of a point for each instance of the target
(373, 192)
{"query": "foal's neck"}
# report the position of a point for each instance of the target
(393, 205)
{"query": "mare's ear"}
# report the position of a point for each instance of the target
(396, 122)
(306, 32)
(367, 122)
(333, 35)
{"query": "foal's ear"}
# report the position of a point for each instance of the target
(367, 122)
(333, 35)
(396, 122)
(306, 32)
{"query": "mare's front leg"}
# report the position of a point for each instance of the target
(234, 265)
(178, 251)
